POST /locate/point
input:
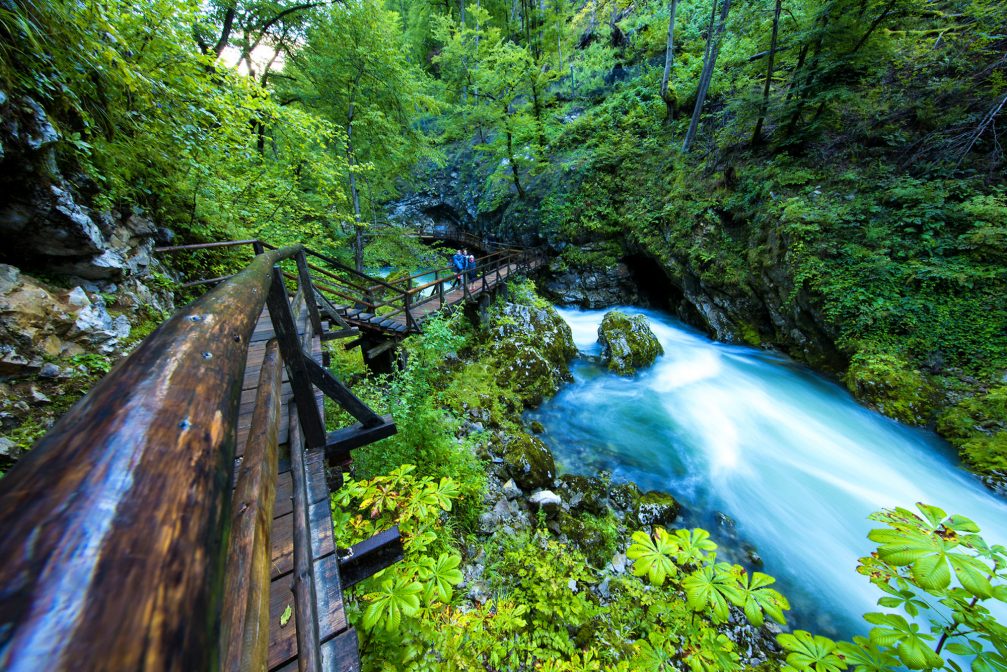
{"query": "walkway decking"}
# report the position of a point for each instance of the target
(339, 643)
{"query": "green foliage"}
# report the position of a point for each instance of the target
(936, 570)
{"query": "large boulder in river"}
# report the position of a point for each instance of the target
(627, 342)
(533, 346)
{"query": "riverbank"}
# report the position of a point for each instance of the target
(544, 575)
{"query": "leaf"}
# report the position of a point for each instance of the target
(651, 556)
(709, 588)
(285, 616)
(811, 652)
(396, 599)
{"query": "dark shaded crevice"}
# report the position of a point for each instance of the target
(658, 290)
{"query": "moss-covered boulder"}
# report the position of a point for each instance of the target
(891, 385)
(583, 493)
(625, 501)
(627, 342)
(658, 508)
(528, 461)
(532, 347)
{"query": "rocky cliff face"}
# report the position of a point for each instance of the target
(74, 280)
(44, 217)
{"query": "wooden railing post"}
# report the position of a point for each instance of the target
(407, 302)
(304, 280)
(293, 359)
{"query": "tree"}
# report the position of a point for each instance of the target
(713, 40)
(670, 101)
(757, 134)
(352, 72)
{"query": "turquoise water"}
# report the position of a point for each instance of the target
(787, 455)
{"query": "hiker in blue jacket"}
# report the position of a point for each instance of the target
(470, 266)
(458, 263)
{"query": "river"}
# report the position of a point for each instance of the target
(789, 456)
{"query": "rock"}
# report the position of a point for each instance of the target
(505, 515)
(658, 508)
(625, 501)
(591, 288)
(10, 452)
(627, 342)
(38, 397)
(511, 491)
(529, 462)
(533, 347)
(584, 493)
(618, 564)
(37, 321)
(546, 499)
(50, 370)
(537, 427)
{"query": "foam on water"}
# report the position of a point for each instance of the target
(788, 455)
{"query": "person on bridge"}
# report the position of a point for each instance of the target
(470, 266)
(458, 264)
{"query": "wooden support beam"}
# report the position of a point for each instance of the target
(342, 333)
(245, 615)
(294, 359)
(370, 556)
(354, 343)
(334, 389)
(384, 347)
(339, 443)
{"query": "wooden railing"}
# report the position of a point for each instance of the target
(337, 284)
(121, 546)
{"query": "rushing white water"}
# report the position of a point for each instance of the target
(789, 456)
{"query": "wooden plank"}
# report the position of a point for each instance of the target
(245, 613)
(320, 516)
(342, 648)
(309, 653)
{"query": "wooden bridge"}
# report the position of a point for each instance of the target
(177, 517)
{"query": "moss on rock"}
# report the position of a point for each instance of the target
(625, 500)
(528, 461)
(658, 508)
(627, 342)
(583, 493)
(890, 384)
(532, 346)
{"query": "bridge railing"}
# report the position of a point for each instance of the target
(122, 548)
(335, 283)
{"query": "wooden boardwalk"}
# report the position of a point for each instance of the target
(338, 640)
(440, 295)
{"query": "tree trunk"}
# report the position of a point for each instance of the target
(712, 49)
(537, 110)
(809, 77)
(669, 57)
(513, 162)
(358, 243)
(757, 135)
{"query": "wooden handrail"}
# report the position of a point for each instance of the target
(245, 624)
(204, 246)
(114, 523)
